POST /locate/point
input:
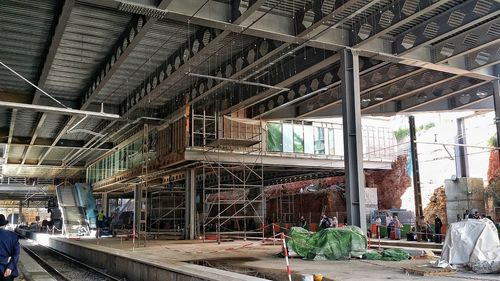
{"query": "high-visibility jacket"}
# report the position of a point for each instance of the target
(100, 217)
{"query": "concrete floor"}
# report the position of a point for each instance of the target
(250, 256)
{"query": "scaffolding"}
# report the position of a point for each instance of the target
(167, 211)
(286, 210)
(232, 176)
(141, 194)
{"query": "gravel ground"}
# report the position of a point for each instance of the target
(69, 269)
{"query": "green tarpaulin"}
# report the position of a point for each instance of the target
(387, 255)
(327, 244)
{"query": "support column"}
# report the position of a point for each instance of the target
(496, 100)
(417, 192)
(353, 148)
(104, 204)
(20, 211)
(190, 213)
(461, 162)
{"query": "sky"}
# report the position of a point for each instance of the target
(436, 165)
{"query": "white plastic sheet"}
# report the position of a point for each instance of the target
(472, 243)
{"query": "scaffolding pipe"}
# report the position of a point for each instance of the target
(58, 110)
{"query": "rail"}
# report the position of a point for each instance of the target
(60, 275)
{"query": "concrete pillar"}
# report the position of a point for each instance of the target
(190, 211)
(353, 148)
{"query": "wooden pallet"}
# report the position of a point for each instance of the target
(429, 271)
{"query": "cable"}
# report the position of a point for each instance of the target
(38, 88)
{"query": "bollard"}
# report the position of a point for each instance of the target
(289, 272)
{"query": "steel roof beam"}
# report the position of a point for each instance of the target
(246, 62)
(186, 58)
(419, 100)
(12, 126)
(458, 18)
(47, 65)
(394, 16)
(47, 142)
(279, 27)
(454, 93)
(331, 21)
(130, 38)
(363, 38)
(443, 53)
(205, 87)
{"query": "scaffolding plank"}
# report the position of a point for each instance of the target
(233, 142)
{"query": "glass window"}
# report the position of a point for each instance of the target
(339, 142)
(319, 140)
(274, 137)
(288, 138)
(331, 142)
(309, 139)
(298, 138)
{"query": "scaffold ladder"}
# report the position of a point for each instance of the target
(143, 194)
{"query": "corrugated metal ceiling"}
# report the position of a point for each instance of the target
(25, 27)
(164, 38)
(24, 123)
(90, 34)
(53, 123)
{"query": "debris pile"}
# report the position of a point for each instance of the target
(437, 205)
(391, 184)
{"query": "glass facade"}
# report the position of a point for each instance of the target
(326, 139)
(126, 157)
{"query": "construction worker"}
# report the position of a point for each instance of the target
(9, 252)
(99, 223)
(437, 228)
(303, 222)
(325, 222)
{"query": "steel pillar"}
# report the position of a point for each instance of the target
(190, 215)
(417, 192)
(496, 100)
(461, 162)
(104, 204)
(353, 148)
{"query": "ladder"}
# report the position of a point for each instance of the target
(143, 190)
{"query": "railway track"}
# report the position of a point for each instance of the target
(65, 268)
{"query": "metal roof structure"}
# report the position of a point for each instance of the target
(273, 59)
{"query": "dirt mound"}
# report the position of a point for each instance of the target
(437, 205)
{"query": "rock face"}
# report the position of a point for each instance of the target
(493, 166)
(494, 180)
(437, 205)
(391, 184)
